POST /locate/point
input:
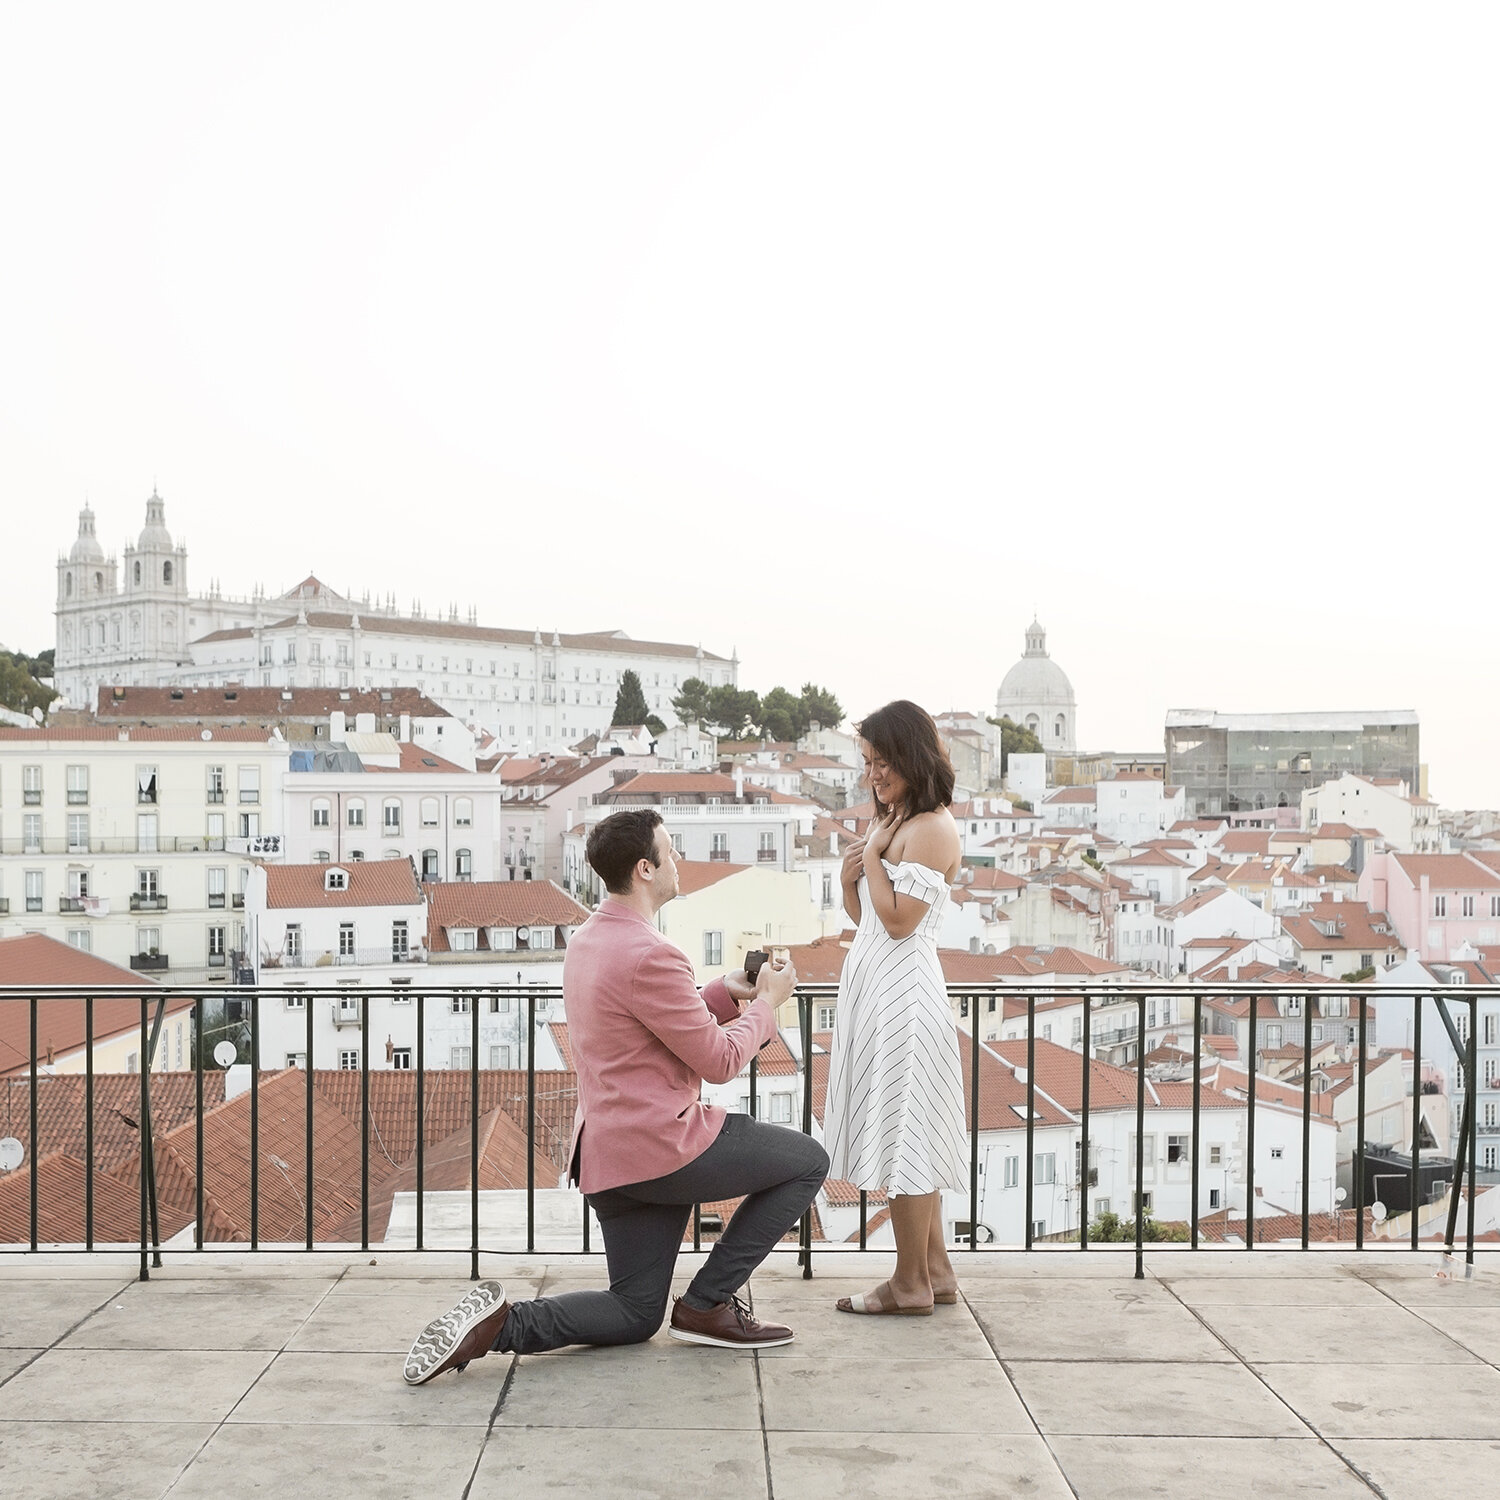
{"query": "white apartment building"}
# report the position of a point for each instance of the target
(1408, 824)
(136, 844)
(1133, 807)
(532, 690)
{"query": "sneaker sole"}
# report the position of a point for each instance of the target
(443, 1335)
(741, 1344)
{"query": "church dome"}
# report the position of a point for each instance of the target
(86, 549)
(154, 535)
(1036, 693)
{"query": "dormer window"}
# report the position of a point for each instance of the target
(463, 939)
(335, 879)
(503, 939)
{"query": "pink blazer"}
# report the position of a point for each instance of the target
(643, 1041)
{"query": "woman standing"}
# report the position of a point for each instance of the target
(895, 1109)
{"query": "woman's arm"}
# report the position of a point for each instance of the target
(928, 842)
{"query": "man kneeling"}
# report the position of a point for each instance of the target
(645, 1147)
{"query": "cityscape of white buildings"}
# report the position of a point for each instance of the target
(311, 793)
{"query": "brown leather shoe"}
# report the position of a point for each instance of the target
(730, 1325)
(467, 1331)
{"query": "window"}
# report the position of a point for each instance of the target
(1012, 1171)
(781, 1109)
(78, 833)
(148, 939)
(216, 948)
(1466, 906)
(322, 811)
(460, 1005)
(249, 783)
(401, 1059)
(78, 784)
(321, 856)
(215, 823)
(503, 939)
(294, 1002)
(1440, 906)
(463, 864)
(400, 939)
(81, 938)
(1273, 1037)
(713, 949)
(542, 937)
(1142, 1202)
(825, 1017)
(216, 886)
(334, 880)
(430, 870)
(463, 940)
(429, 812)
(31, 833)
(354, 812)
(1177, 1149)
(346, 939)
(828, 890)
(767, 850)
(292, 944)
(500, 1056)
(718, 846)
(1277, 1152)
(145, 784)
(963, 1006)
(1490, 1068)
(677, 844)
(1044, 1169)
(1216, 1156)
(390, 816)
(1213, 1198)
(459, 1057)
(349, 1060)
(463, 812)
(31, 785)
(296, 1059)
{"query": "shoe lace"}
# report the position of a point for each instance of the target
(742, 1313)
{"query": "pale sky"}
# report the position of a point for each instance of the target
(842, 334)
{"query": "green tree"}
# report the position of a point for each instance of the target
(630, 702)
(1113, 1228)
(819, 704)
(734, 711)
(693, 704)
(19, 689)
(1359, 976)
(656, 726)
(1015, 739)
(781, 715)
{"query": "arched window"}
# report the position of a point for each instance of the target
(98, 583)
(1033, 723)
(356, 812)
(166, 572)
(463, 865)
(463, 812)
(1060, 727)
(68, 585)
(321, 810)
(138, 574)
(430, 868)
(429, 812)
(390, 818)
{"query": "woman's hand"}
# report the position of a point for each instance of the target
(854, 865)
(878, 840)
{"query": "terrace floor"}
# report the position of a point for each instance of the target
(1223, 1373)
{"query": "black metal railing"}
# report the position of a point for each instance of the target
(239, 1016)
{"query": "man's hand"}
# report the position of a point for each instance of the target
(777, 981)
(741, 991)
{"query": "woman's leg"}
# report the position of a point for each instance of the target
(940, 1270)
(910, 1285)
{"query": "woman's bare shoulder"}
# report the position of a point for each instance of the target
(931, 839)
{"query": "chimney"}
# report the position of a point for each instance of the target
(336, 723)
(739, 782)
(403, 731)
(236, 1080)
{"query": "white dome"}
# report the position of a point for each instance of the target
(86, 549)
(1036, 692)
(154, 535)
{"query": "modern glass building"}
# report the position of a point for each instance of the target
(1247, 762)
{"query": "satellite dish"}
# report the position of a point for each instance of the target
(207, 734)
(1339, 1195)
(12, 1154)
(1377, 1211)
(38, 715)
(224, 1054)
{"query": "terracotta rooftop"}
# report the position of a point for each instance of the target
(497, 903)
(375, 882)
(270, 704)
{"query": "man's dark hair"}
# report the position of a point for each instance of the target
(619, 843)
(905, 737)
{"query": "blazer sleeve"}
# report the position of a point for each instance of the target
(668, 1004)
(717, 998)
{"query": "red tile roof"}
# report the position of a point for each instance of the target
(694, 875)
(375, 882)
(1447, 872)
(268, 703)
(134, 734)
(498, 903)
(60, 1205)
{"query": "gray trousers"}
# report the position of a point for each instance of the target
(778, 1171)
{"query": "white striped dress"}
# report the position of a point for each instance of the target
(894, 1117)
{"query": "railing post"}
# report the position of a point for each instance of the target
(1306, 1112)
(1030, 1113)
(88, 1123)
(148, 1141)
(1250, 1134)
(145, 1057)
(1473, 1124)
(35, 1152)
(254, 1122)
(1416, 1117)
(307, 1126)
(1083, 1150)
(974, 1132)
(199, 1042)
(1193, 1207)
(1359, 1134)
(804, 1026)
(364, 1122)
(530, 1128)
(421, 1105)
(1140, 1138)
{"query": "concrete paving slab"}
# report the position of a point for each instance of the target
(661, 1384)
(1050, 1291)
(100, 1460)
(374, 1463)
(38, 1313)
(1099, 1330)
(101, 1265)
(440, 1292)
(1168, 1400)
(353, 1390)
(148, 1317)
(1107, 1468)
(825, 1333)
(1390, 1401)
(1208, 1261)
(1419, 1471)
(385, 1324)
(12, 1360)
(883, 1466)
(1274, 1291)
(1385, 1335)
(1412, 1291)
(132, 1385)
(1474, 1328)
(655, 1464)
(887, 1395)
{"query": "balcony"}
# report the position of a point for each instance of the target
(215, 900)
(139, 901)
(149, 963)
(4, 906)
(237, 901)
(766, 856)
(31, 797)
(719, 855)
(345, 1012)
(68, 905)
(215, 796)
(359, 958)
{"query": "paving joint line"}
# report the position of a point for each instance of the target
(1275, 1394)
(1452, 1338)
(499, 1406)
(68, 1332)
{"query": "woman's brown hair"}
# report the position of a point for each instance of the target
(904, 736)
